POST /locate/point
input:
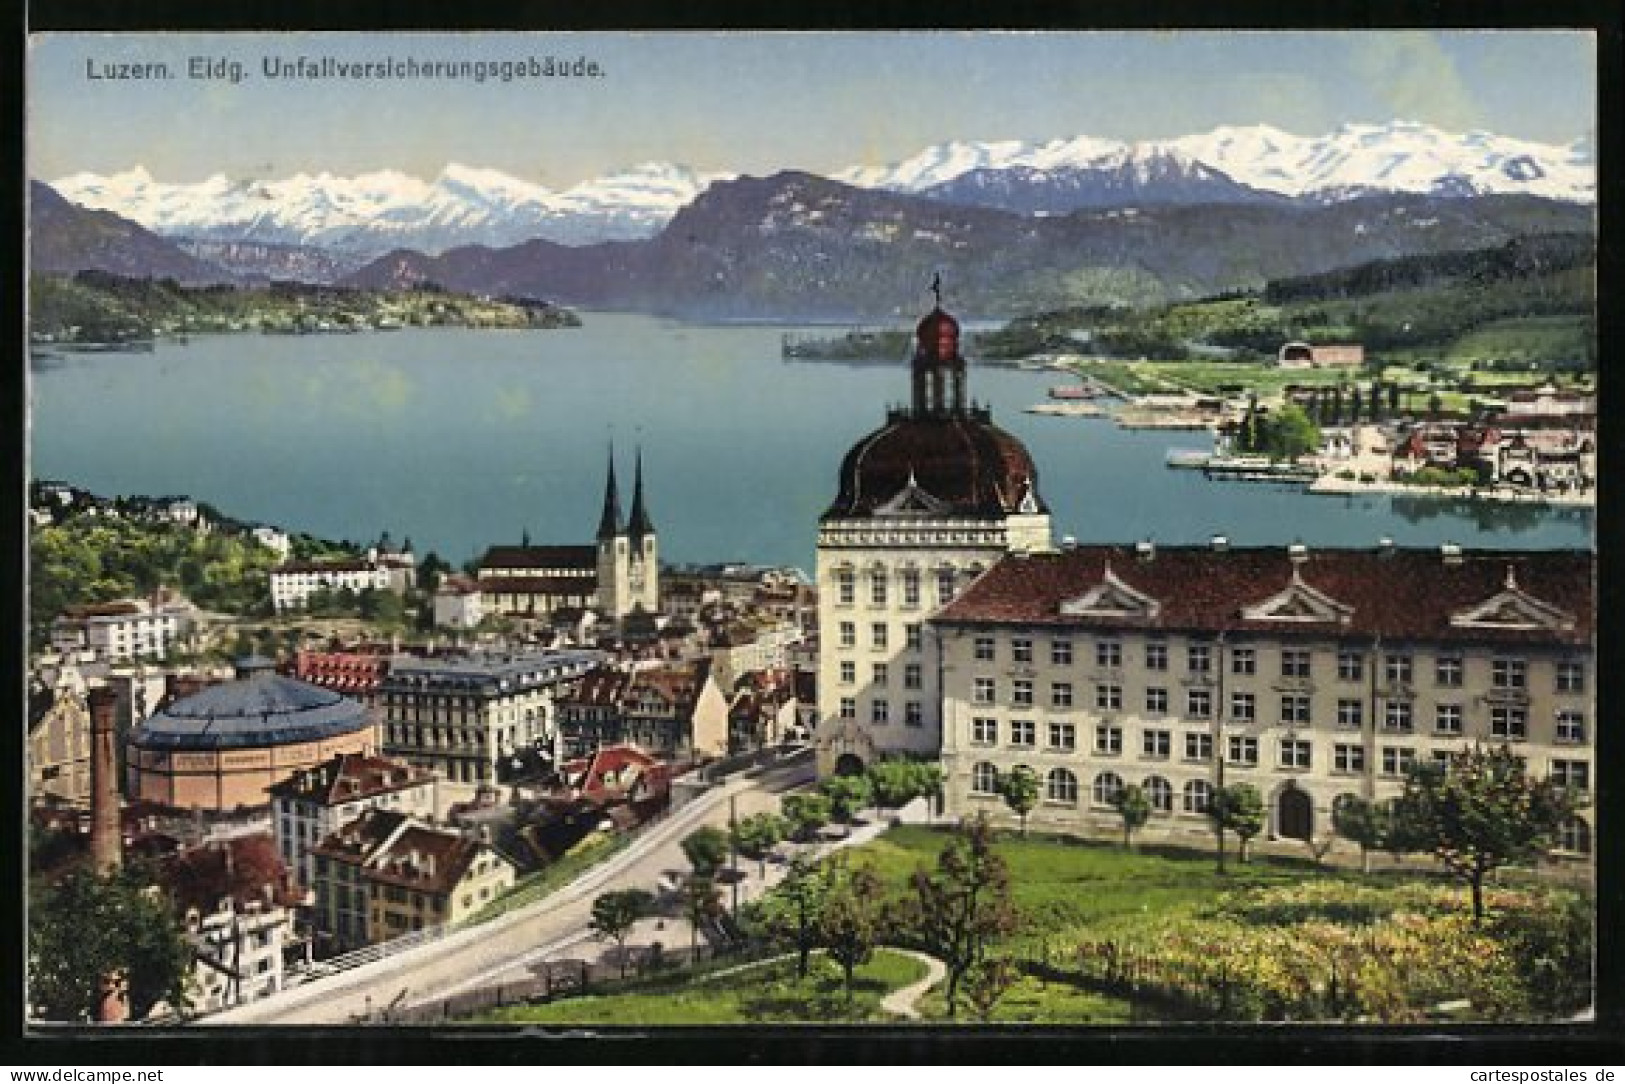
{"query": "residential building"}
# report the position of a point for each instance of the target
(312, 804)
(274, 539)
(397, 561)
(357, 672)
(385, 874)
(463, 715)
(1311, 675)
(675, 711)
(293, 584)
(765, 710)
(926, 503)
(124, 630)
(458, 603)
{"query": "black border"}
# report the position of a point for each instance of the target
(1585, 1046)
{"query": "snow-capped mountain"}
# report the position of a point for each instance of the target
(373, 212)
(1356, 159)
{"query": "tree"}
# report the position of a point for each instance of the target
(987, 982)
(791, 911)
(90, 925)
(757, 835)
(701, 903)
(706, 850)
(1292, 433)
(1135, 809)
(963, 904)
(850, 921)
(894, 783)
(1480, 810)
(1239, 808)
(614, 914)
(1363, 822)
(1019, 788)
(807, 814)
(847, 794)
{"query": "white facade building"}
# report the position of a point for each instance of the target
(293, 584)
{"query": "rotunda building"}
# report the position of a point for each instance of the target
(219, 750)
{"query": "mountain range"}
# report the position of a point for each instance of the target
(365, 215)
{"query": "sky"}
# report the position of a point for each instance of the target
(756, 102)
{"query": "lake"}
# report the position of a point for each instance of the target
(459, 439)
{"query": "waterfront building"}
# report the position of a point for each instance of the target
(617, 575)
(926, 503)
(462, 716)
(1310, 674)
(386, 874)
(222, 747)
(312, 804)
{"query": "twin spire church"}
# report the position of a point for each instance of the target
(617, 575)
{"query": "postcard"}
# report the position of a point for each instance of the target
(913, 529)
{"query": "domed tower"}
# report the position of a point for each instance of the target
(926, 503)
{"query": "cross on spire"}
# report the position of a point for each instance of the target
(936, 287)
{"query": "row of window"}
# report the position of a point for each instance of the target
(880, 711)
(908, 581)
(1507, 721)
(880, 635)
(1241, 749)
(1397, 669)
(880, 674)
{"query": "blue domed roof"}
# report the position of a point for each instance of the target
(262, 709)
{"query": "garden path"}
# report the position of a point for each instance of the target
(902, 1000)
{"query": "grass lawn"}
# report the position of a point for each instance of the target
(760, 993)
(597, 849)
(1061, 884)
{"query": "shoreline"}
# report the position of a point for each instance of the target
(1329, 485)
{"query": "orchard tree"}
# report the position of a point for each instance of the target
(614, 914)
(1239, 808)
(962, 905)
(1480, 810)
(1135, 809)
(1362, 822)
(851, 921)
(706, 850)
(1019, 788)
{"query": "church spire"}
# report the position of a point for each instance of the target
(639, 525)
(609, 525)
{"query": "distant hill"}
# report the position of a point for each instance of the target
(794, 246)
(66, 238)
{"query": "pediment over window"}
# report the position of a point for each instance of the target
(1111, 597)
(912, 501)
(1300, 603)
(1512, 608)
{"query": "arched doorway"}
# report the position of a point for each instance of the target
(1294, 813)
(848, 764)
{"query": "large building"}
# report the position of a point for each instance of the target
(465, 716)
(1309, 674)
(676, 711)
(222, 748)
(123, 630)
(616, 575)
(311, 805)
(927, 502)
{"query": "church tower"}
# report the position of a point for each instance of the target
(927, 502)
(613, 581)
(643, 566)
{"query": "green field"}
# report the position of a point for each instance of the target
(1543, 338)
(768, 992)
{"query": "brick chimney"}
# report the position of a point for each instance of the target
(106, 835)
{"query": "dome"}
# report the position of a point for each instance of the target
(960, 464)
(260, 709)
(937, 337)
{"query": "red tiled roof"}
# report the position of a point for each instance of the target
(539, 585)
(240, 867)
(1406, 594)
(602, 687)
(425, 859)
(348, 777)
(503, 557)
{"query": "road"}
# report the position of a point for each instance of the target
(555, 927)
